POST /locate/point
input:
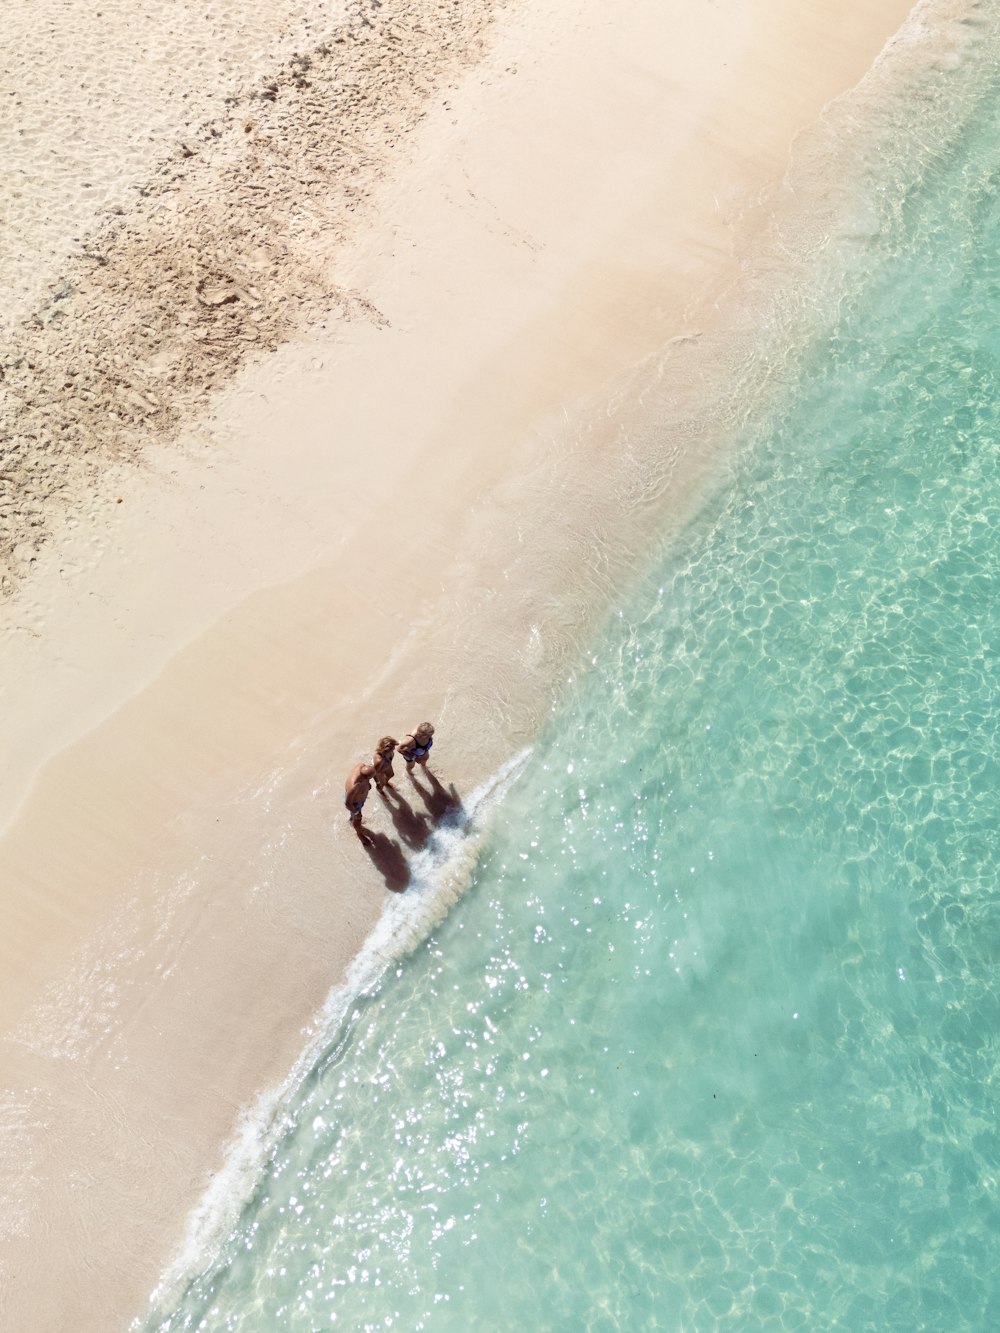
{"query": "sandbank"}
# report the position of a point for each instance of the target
(331, 391)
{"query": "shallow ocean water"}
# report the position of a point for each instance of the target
(712, 1040)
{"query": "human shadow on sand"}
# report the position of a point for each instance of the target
(413, 826)
(387, 857)
(443, 803)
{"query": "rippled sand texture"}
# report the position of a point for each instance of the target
(203, 234)
(97, 95)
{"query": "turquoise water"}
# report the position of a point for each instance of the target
(711, 1042)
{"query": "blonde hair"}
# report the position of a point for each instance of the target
(386, 745)
(425, 727)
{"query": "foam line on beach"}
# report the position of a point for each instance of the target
(440, 874)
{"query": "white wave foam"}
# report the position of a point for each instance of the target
(439, 876)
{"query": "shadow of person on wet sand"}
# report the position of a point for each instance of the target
(443, 803)
(413, 826)
(388, 859)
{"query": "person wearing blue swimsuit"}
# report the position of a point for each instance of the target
(416, 745)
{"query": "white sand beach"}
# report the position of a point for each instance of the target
(326, 343)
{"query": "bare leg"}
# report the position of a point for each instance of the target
(363, 834)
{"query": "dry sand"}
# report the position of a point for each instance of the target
(331, 415)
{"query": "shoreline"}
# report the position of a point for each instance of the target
(213, 669)
(440, 874)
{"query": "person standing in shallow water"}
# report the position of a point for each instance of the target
(416, 745)
(356, 790)
(382, 764)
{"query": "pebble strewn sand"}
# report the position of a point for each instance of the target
(97, 92)
(227, 250)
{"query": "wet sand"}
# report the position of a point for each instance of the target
(327, 418)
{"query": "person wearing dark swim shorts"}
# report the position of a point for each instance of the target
(356, 789)
(416, 745)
